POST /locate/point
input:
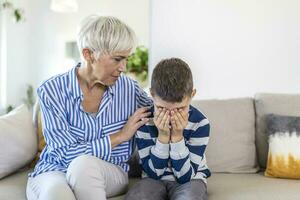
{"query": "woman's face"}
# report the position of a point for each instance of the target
(109, 67)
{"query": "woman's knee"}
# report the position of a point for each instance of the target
(82, 169)
(52, 190)
(57, 192)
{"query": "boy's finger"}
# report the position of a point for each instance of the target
(173, 123)
(180, 117)
(159, 115)
(166, 124)
(164, 119)
(178, 121)
(185, 115)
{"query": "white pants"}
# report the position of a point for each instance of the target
(87, 178)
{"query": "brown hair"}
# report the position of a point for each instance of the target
(172, 80)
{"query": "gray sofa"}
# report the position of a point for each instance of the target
(236, 154)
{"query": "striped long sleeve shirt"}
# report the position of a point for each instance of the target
(181, 161)
(69, 131)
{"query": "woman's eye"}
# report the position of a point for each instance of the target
(117, 59)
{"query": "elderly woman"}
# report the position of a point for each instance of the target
(89, 117)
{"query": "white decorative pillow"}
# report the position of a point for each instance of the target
(18, 141)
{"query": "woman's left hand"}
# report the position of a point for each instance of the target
(138, 119)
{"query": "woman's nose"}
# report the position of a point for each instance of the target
(122, 66)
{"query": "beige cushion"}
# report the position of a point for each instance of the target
(231, 145)
(281, 104)
(251, 187)
(18, 144)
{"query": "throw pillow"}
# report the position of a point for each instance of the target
(284, 142)
(18, 142)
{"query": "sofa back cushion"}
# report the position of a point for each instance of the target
(280, 104)
(231, 145)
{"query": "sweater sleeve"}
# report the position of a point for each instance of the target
(187, 157)
(154, 155)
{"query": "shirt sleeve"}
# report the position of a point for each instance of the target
(142, 98)
(154, 155)
(187, 158)
(61, 139)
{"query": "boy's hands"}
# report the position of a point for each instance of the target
(179, 120)
(162, 122)
(170, 124)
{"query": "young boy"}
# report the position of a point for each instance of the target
(171, 145)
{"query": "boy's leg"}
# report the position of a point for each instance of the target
(147, 189)
(193, 190)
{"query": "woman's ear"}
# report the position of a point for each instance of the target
(194, 92)
(87, 55)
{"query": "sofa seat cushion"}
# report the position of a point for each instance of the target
(14, 186)
(220, 186)
(251, 186)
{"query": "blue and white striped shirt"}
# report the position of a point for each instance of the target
(181, 161)
(69, 131)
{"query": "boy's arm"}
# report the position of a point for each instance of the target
(154, 155)
(186, 158)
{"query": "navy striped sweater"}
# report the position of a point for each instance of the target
(181, 161)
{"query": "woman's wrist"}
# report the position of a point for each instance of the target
(116, 139)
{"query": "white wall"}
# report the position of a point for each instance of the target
(235, 48)
(36, 46)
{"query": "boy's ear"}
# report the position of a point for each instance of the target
(151, 92)
(194, 92)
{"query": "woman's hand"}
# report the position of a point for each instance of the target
(179, 121)
(135, 121)
(162, 123)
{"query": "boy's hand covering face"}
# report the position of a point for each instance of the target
(162, 121)
(179, 121)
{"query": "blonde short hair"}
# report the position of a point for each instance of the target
(105, 35)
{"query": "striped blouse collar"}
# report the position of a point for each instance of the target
(74, 84)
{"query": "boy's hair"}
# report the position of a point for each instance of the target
(172, 80)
